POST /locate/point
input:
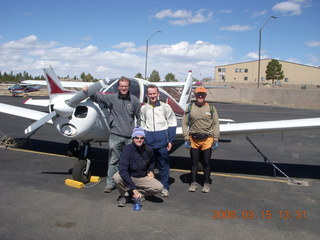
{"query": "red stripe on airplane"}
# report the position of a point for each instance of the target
(54, 87)
(177, 109)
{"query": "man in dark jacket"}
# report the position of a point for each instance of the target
(136, 170)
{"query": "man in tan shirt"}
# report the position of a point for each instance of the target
(200, 126)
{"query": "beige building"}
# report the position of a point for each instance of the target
(294, 73)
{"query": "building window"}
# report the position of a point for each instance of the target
(246, 70)
(221, 69)
(286, 80)
(245, 78)
(237, 70)
(241, 70)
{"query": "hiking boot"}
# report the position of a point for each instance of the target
(206, 188)
(108, 189)
(193, 187)
(165, 193)
(122, 201)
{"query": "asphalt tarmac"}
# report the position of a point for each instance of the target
(246, 200)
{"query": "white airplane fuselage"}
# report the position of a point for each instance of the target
(88, 122)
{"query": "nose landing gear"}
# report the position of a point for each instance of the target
(81, 169)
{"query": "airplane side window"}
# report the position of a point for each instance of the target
(81, 112)
(163, 97)
(145, 98)
(135, 88)
(113, 88)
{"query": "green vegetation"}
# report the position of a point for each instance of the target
(154, 76)
(5, 77)
(170, 78)
(139, 75)
(274, 71)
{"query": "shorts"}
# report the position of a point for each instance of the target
(201, 144)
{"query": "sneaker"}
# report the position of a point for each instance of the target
(108, 189)
(193, 187)
(165, 193)
(122, 201)
(206, 188)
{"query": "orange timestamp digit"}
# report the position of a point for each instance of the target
(263, 214)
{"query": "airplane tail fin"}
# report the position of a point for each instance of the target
(185, 98)
(53, 83)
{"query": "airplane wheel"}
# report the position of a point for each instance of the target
(78, 171)
(73, 148)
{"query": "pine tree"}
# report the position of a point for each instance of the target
(274, 71)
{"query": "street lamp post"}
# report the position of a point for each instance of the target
(260, 47)
(145, 68)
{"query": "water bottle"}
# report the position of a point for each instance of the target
(136, 204)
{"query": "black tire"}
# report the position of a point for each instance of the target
(73, 148)
(78, 171)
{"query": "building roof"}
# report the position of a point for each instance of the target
(267, 59)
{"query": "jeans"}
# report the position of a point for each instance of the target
(116, 144)
(162, 159)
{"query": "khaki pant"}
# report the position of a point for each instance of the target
(145, 186)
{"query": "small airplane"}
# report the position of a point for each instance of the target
(23, 89)
(83, 121)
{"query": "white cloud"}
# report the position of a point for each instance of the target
(236, 28)
(288, 8)
(313, 43)
(184, 17)
(225, 11)
(124, 45)
(314, 60)
(31, 55)
(87, 38)
(255, 55)
(261, 13)
(182, 13)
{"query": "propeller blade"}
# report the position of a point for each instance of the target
(81, 95)
(40, 122)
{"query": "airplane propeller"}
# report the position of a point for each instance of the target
(65, 108)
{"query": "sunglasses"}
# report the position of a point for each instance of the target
(139, 138)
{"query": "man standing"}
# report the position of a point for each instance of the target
(136, 170)
(160, 123)
(200, 126)
(124, 109)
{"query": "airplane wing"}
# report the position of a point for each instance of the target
(67, 84)
(266, 126)
(169, 84)
(22, 112)
(269, 126)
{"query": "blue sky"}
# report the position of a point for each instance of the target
(108, 38)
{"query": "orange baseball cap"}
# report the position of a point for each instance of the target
(200, 90)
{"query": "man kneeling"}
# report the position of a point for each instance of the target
(135, 174)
